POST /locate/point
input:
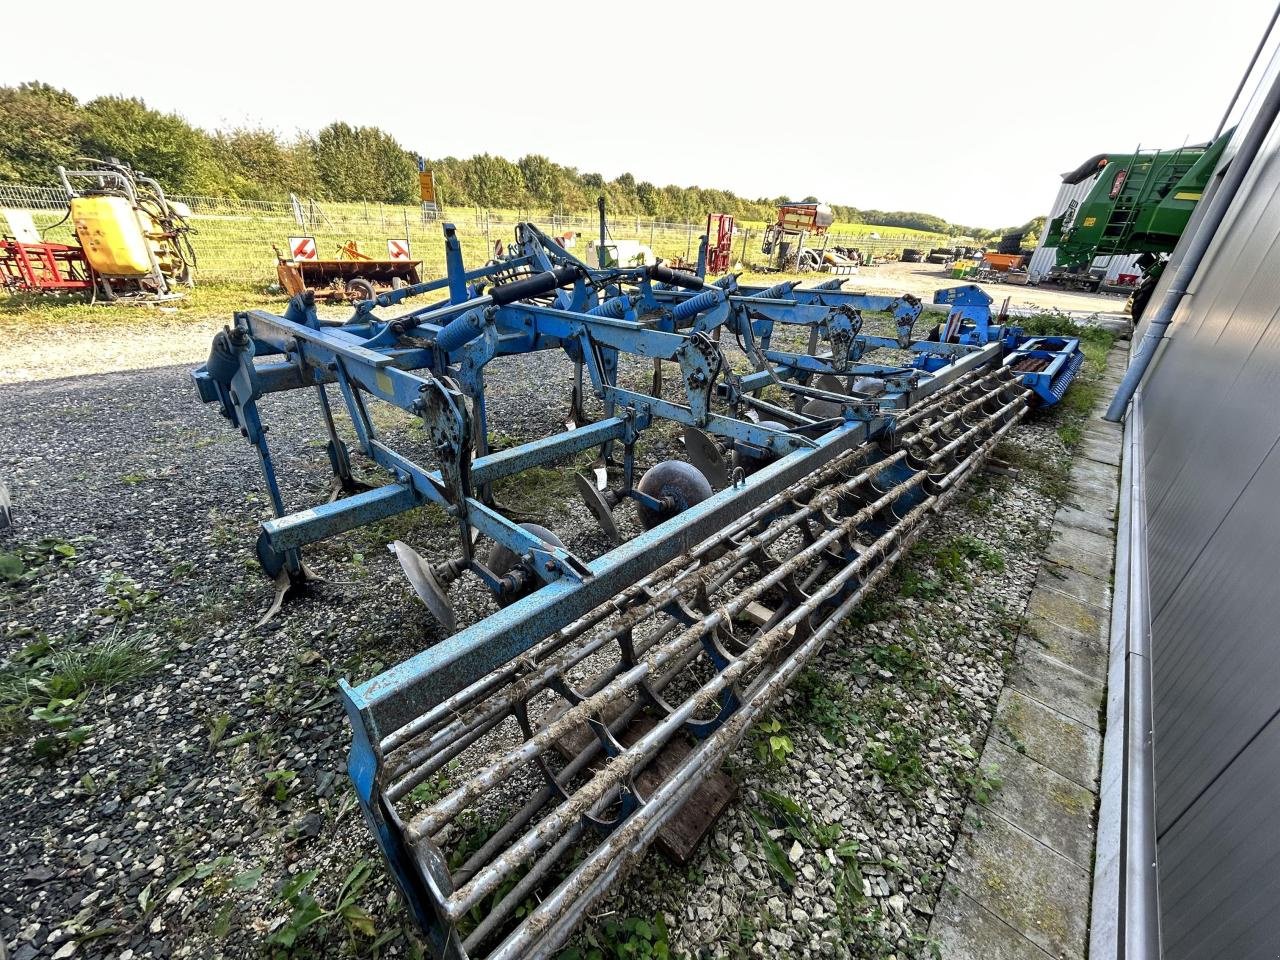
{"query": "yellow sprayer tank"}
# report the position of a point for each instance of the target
(112, 236)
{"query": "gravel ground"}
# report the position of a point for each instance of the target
(165, 815)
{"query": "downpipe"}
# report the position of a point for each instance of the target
(1240, 165)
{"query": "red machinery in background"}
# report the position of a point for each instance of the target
(43, 267)
(30, 265)
(719, 243)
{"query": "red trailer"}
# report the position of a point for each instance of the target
(43, 267)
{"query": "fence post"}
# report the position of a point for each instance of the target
(742, 257)
(688, 241)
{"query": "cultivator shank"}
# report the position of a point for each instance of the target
(581, 716)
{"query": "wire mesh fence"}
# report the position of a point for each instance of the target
(237, 240)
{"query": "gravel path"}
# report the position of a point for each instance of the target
(211, 775)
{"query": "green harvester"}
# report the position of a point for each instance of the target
(1139, 203)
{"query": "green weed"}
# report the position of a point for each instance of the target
(22, 565)
(773, 745)
(634, 938)
(310, 915)
(982, 782)
(44, 686)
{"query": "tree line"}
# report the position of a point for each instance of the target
(42, 127)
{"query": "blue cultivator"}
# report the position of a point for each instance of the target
(561, 735)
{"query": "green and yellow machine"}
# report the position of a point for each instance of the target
(1139, 203)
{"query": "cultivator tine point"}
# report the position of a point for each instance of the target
(286, 583)
(429, 590)
(594, 498)
(6, 509)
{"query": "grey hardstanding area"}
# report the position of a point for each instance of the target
(1018, 884)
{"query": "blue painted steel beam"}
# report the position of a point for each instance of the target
(329, 519)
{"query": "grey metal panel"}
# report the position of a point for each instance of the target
(1215, 656)
(1210, 398)
(1220, 866)
(1211, 414)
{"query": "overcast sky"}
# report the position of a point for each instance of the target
(966, 110)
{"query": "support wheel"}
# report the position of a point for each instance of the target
(680, 485)
(360, 289)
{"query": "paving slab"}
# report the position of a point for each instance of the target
(1042, 803)
(1086, 470)
(1096, 502)
(1073, 583)
(1087, 654)
(1097, 431)
(1064, 745)
(1098, 451)
(966, 930)
(1068, 611)
(1038, 892)
(1087, 552)
(1056, 685)
(1089, 515)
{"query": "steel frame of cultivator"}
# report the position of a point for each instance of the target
(726, 592)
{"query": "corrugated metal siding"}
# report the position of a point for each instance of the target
(1211, 409)
(1044, 257)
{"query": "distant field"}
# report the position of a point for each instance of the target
(863, 229)
(235, 240)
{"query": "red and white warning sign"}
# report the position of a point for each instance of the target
(397, 249)
(302, 248)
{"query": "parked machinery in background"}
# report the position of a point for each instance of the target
(1138, 203)
(29, 264)
(133, 237)
(351, 275)
(784, 240)
(719, 243)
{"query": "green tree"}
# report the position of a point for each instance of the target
(257, 166)
(541, 178)
(363, 163)
(494, 182)
(38, 131)
(161, 145)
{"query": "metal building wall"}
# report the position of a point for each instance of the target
(1211, 414)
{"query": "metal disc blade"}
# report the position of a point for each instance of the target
(424, 583)
(704, 453)
(829, 383)
(596, 504)
(821, 409)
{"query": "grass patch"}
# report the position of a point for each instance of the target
(541, 491)
(45, 684)
(28, 312)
